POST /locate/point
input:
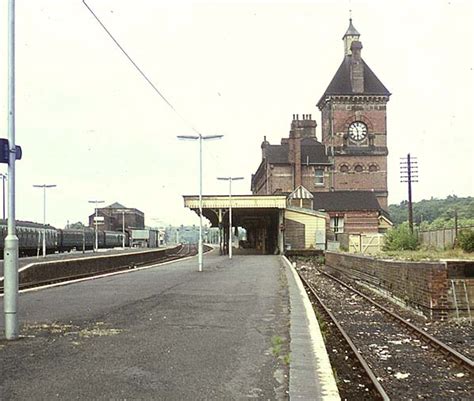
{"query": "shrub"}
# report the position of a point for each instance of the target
(466, 240)
(400, 238)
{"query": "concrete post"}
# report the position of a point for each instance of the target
(281, 237)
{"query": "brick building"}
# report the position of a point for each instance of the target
(347, 170)
(354, 124)
(115, 216)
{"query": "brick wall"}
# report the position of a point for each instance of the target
(361, 221)
(424, 286)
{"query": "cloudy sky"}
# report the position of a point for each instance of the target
(88, 122)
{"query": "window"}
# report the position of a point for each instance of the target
(337, 224)
(344, 168)
(373, 168)
(358, 168)
(319, 176)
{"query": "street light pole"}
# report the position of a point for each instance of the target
(200, 138)
(4, 177)
(10, 259)
(230, 179)
(44, 186)
(123, 228)
(95, 220)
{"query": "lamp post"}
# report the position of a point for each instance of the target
(4, 178)
(44, 186)
(200, 138)
(10, 259)
(123, 228)
(96, 222)
(230, 179)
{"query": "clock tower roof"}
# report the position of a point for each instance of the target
(342, 84)
(351, 31)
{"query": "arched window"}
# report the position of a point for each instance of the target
(344, 168)
(373, 168)
(358, 168)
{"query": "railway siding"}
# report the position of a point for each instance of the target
(440, 290)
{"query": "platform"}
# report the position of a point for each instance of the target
(167, 332)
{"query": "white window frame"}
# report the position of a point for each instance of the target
(337, 224)
(319, 178)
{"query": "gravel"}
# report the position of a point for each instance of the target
(406, 367)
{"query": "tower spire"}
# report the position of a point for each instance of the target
(350, 36)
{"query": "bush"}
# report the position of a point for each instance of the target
(466, 240)
(400, 238)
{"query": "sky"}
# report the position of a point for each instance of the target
(89, 123)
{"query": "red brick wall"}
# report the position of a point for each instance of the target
(421, 285)
(340, 114)
(361, 222)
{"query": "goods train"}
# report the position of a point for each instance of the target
(30, 238)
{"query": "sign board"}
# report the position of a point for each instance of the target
(99, 219)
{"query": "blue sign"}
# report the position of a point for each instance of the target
(5, 151)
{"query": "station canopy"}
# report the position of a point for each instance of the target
(245, 208)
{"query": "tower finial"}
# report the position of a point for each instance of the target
(350, 36)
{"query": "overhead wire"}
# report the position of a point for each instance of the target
(139, 69)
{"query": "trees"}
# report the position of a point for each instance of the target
(76, 226)
(432, 214)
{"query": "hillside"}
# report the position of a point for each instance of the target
(436, 213)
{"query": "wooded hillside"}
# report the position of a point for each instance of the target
(431, 214)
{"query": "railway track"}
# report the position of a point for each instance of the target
(184, 251)
(398, 359)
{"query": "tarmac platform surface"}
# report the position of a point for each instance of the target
(164, 333)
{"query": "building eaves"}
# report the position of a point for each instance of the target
(341, 82)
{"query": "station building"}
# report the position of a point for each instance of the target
(306, 190)
(115, 216)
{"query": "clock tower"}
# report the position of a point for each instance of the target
(354, 124)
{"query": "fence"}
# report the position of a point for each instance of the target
(361, 243)
(444, 238)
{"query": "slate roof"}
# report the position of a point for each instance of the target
(351, 31)
(312, 152)
(338, 201)
(341, 82)
(116, 205)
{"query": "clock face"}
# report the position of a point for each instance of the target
(357, 131)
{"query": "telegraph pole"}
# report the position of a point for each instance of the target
(409, 174)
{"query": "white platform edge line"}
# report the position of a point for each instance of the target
(323, 366)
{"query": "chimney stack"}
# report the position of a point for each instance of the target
(264, 147)
(357, 68)
(306, 125)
